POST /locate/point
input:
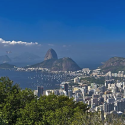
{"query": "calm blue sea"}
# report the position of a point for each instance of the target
(33, 79)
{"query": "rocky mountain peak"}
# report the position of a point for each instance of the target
(51, 54)
(52, 63)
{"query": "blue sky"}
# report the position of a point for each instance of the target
(62, 20)
(65, 25)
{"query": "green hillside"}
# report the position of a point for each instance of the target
(114, 64)
(6, 66)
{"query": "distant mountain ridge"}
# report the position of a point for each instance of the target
(114, 64)
(6, 66)
(25, 57)
(4, 59)
(52, 62)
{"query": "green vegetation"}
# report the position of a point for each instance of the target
(21, 107)
(89, 80)
(113, 69)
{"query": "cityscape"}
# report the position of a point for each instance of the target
(108, 97)
(62, 62)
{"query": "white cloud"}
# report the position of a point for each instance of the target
(6, 43)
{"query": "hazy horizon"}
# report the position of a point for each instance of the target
(86, 31)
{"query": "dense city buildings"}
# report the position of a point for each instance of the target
(107, 97)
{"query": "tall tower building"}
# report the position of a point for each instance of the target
(66, 88)
(40, 90)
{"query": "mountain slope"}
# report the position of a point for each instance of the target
(45, 64)
(26, 57)
(114, 64)
(4, 59)
(6, 66)
(65, 64)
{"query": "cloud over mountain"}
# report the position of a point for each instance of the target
(18, 47)
(6, 43)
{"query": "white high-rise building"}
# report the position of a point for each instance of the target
(76, 80)
(36, 92)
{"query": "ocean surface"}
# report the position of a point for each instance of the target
(33, 79)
